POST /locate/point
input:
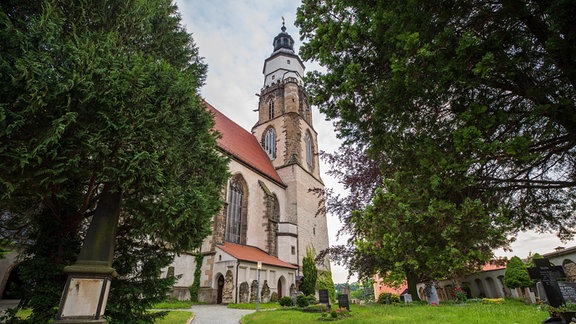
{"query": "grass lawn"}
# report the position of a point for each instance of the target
(253, 306)
(510, 312)
(176, 317)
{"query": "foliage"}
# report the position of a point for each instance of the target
(286, 301)
(465, 113)
(172, 303)
(302, 300)
(101, 94)
(324, 281)
(363, 290)
(310, 273)
(138, 286)
(388, 298)
(460, 295)
(516, 275)
(197, 274)
(511, 311)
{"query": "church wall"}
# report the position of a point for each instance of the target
(312, 228)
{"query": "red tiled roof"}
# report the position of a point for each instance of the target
(242, 145)
(253, 254)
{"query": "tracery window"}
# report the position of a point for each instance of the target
(234, 212)
(270, 143)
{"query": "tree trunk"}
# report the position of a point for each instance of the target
(412, 279)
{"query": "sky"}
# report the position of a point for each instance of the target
(235, 37)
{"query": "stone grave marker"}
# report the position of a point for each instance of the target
(548, 275)
(568, 290)
(407, 298)
(343, 301)
(431, 293)
(324, 297)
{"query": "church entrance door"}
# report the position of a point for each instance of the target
(220, 289)
(279, 288)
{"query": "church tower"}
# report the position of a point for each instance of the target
(285, 131)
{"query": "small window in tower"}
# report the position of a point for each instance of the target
(271, 109)
(314, 230)
(270, 143)
(309, 150)
(273, 76)
(287, 61)
(293, 250)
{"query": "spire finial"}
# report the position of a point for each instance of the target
(283, 24)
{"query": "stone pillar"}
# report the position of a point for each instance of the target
(86, 291)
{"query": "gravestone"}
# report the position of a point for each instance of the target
(293, 297)
(343, 301)
(407, 298)
(568, 290)
(548, 275)
(346, 290)
(324, 297)
(541, 292)
(431, 293)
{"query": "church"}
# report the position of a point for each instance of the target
(270, 219)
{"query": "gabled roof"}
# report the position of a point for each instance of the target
(253, 254)
(242, 145)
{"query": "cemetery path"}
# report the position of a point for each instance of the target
(217, 314)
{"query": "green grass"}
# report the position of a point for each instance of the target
(176, 317)
(510, 312)
(173, 304)
(253, 306)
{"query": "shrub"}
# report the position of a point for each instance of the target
(388, 298)
(312, 299)
(460, 295)
(492, 300)
(302, 301)
(334, 314)
(286, 301)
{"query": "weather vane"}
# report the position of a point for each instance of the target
(283, 21)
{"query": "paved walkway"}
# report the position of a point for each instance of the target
(217, 314)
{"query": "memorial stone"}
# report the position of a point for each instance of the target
(548, 275)
(324, 296)
(343, 301)
(431, 293)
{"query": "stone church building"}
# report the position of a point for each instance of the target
(270, 215)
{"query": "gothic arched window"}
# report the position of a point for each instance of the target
(270, 143)
(309, 150)
(271, 109)
(234, 212)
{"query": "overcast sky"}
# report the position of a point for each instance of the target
(235, 37)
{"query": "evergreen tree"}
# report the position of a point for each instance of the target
(516, 275)
(310, 272)
(103, 94)
(460, 112)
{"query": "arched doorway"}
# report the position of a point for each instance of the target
(220, 289)
(279, 288)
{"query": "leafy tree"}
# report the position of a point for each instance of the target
(324, 281)
(310, 272)
(466, 110)
(516, 275)
(494, 78)
(102, 96)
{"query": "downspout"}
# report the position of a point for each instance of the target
(236, 294)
